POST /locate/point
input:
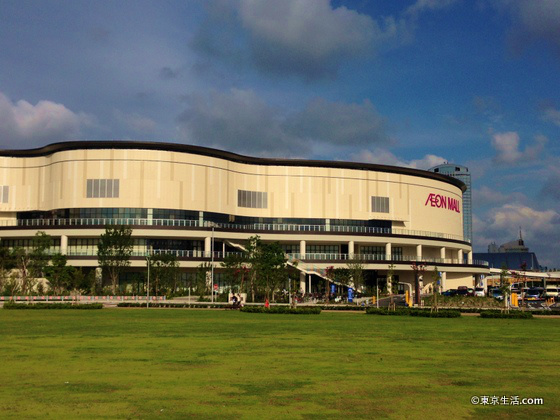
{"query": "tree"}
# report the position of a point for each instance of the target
(83, 282)
(31, 263)
(419, 270)
(59, 274)
(114, 251)
(392, 287)
(355, 277)
(236, 268)
(164, 269)
(505, 288)
(436, 280)
(203, 280)
(270, 264)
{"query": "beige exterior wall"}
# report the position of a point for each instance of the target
(174, 180)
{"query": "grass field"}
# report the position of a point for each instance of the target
(203, 364)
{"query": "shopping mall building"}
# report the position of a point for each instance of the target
(190, 200)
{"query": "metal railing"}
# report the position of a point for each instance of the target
(327, 257)
(381, 257)
(272, 227)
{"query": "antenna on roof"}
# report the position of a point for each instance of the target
(520, 237)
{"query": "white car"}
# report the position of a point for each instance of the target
(551, 292)
(479, 291)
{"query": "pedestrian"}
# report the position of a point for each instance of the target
(266, 304)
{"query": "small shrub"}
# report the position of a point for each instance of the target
(343, 308)
(13, 305)
(415, 312)
(315, 310)
(510, 315)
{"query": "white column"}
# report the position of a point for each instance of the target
(302, 282)
(64, 244)
(302, 250)
(442, 253)
(328, 225)
(443, 280)
(200, 218)
(207, 246)
(150, 217)
(419, 252)
(460, 256)
(388, 251)
(469, 257)
(350, 249)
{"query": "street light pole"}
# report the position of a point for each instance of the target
(148, 288)
(377, 291)
(212, 273)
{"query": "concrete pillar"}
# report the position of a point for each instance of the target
(442, 253)
(469, 257)
(388, 251)
(443, 281)
(200, 218)
(207, 247)
(460, 256)
(302, 282)
(64, 244)
(350, 249)
(150, 217)
(302, 250)
(419, 252)
(328, 225)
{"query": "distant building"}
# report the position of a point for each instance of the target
(461, 173)
(514, 255)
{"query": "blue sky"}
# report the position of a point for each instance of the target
(410, 83)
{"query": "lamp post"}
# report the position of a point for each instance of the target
(212, 258)
(377, 291)
(148, 288)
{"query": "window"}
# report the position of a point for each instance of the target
(380, 204)
(252, 199)
(102, 188)
(4, 193)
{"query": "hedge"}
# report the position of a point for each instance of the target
(342, 308)
(170, 305)
(510, 315)
(306, 310)
(12, 305)
(415, 312)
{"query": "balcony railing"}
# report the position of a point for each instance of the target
(272, 227)
(326, 257)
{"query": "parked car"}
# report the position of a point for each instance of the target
(535, 293)
(450, 292)
(497, 294)
(551, 292)
(479, 292)
(465, 291)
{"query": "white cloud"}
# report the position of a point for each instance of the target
(239, 120)
(25, 125)
(485, 196)
(552, 115)
(534, 21)
(135, 121)
(382, 156)
(306, 38)
(507, 148)
(541, 229)
(423, 5)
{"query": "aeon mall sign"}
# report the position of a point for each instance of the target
(443, 202)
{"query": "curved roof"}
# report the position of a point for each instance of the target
(205, 151)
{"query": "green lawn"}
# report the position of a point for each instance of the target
(202, 364)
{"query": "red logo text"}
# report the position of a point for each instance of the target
(443, 202)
